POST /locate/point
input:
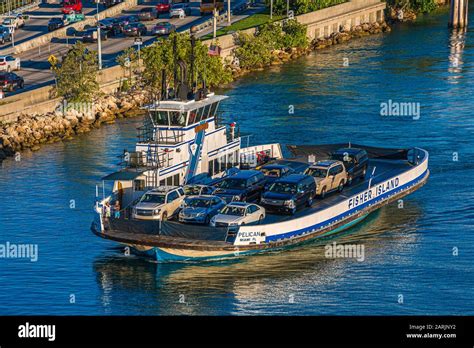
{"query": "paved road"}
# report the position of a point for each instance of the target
(38, 23)
(36, 69)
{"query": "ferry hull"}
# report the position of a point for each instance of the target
(326, 218)
(183, 255)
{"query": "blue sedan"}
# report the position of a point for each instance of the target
(200, 209)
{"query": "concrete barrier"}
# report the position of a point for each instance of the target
(63, 32)
(41, 100)
(321, 23)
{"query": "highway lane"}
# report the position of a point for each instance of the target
(35, 67)
(38, 23)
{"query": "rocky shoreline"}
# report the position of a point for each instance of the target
(345, 33)
(31, 131)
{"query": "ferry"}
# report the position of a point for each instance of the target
(182, 138)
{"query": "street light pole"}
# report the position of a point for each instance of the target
(287, 8)
(228, 12)
(271, 9)
(99, 43)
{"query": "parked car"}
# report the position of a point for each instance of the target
(111, 26)
(5, 35)
(163, 6)
(135, 29)
(237, 214)
(288, 194)
(9, 63)
(246, 186)
(180, 10)
(198, 190)
(159, 204)
(10, 81)
(163, 28)
(274, 172)
(56, 23)
(148, 14)
(356, 162)
(328, 175)
(90, 35)
(200, 209)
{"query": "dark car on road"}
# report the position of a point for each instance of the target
(163, 6)
(355, 161)
(5, 35)
(148, 14)
(245, 186)
(111, 26)
(135, 29)
(11, 81)
(163, 28)
(126, 20)
(90, 35)
(55, 23)
(288, 194)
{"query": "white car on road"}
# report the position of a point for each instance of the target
(9, 63)
(238, 213)
(180, 10)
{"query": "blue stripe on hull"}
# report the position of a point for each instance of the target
(162, 256)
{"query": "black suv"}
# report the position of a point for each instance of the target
(288, 194)
(245, 186)
(355, 161)
(11, 81)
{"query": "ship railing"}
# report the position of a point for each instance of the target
(147, 135)
(256, 155)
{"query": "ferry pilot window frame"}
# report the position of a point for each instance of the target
(169, 181)
(207, 109)
(163, 120)
(176, 180)
(212, 112)
(162, 182)
(177, 118)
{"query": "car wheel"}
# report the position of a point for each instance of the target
(260, 219)
(293, 211)
(21, 84)
(323, 193)
(207, 220)
(10, 88)
(9, 69)
(309, 203)
(349, 180)
(341, 186)
(2, 41)
(164, 216)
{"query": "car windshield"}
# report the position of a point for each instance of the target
(153, 198)
(192, 190)
(3, 77)
(317, 172)
(177, 6)
(163, 24)
(343, 157)
(233, 183)
(197, 202)
(271, 172)
(283, 187)
(233, 210)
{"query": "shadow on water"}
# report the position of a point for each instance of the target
(159, 288)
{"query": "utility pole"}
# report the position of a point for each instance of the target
(214, 22)
(228, 12)
(271, 9)
(287, 8)
(99, 43)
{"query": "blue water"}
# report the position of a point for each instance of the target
(408, 251)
